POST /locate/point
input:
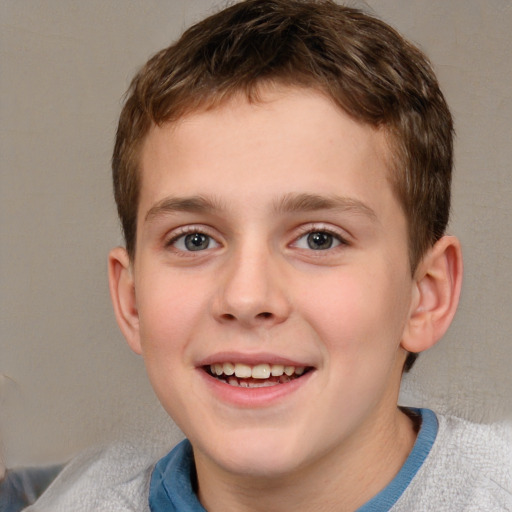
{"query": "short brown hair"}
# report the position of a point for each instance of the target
(360, 62)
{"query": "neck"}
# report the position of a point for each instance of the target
(348, 476)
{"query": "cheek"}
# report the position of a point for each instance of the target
(358, 313)
(169, 311)
(358, 326)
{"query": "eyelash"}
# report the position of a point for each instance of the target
(182, 233)
(310, 229)
(304, 231)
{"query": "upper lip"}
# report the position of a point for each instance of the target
(251, 359)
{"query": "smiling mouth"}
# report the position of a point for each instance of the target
(256, 376)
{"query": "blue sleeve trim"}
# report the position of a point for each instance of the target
(383, 501)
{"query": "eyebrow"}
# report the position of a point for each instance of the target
(193, 204)
(289, 203)
(294, 203)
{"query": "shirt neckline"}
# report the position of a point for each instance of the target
(172, 480)
(427, 434)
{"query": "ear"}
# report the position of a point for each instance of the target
(122, 293)
(436, 292)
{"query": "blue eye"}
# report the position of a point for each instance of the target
(318, 241)
(194, 242)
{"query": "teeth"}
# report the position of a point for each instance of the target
(233, 381)
(289, 370)
(258, 371)
(229, 369)
(261, 371)
(262, 384)
(277, 370)
(243, 371)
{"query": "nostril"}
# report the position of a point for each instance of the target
(264, 316)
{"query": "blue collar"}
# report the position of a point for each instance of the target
(171, 488)
(172, 481)
(424, 442)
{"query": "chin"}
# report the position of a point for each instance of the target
(260, 465)
(261, 455)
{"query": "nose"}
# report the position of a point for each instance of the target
(252, 291)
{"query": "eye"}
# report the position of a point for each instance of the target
(193, 242)
(318, 241)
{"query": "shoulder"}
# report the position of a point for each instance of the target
(484, 451)
(469, 468)
(113, 478)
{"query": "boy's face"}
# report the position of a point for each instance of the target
(269, 234)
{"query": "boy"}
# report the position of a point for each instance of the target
(282, 174)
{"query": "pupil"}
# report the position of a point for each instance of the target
(319, 240)
(196, 242)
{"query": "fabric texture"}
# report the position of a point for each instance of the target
(21, 487)
(113, 478)
(467, 469)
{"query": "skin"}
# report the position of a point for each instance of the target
(257, 179)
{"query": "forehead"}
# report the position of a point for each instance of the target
(289, 141)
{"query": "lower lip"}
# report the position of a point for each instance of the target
(254, 397)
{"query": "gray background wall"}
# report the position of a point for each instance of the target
(68, 379)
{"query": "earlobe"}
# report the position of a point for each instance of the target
(437, 285)
(122, 293)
